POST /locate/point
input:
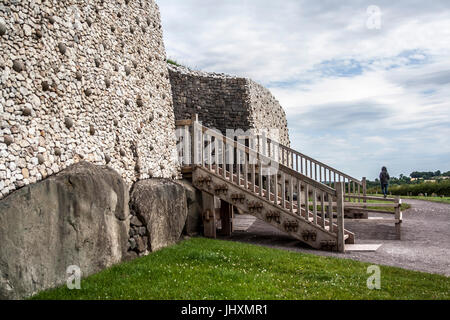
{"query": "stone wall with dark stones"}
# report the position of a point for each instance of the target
(83, 80)
(226, 102)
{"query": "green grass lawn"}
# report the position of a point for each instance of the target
(433, 199)
(211, 269)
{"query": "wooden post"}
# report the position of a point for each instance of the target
(209, 216)
(340, 215)
(226, 217)
(364, 187)
(398, 217)
(194, 152)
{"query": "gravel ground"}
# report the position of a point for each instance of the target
(425, 243)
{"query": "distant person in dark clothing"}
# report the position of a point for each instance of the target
(384, 180)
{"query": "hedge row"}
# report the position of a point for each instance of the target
(440, 189)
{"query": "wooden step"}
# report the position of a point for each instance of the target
(377, 219)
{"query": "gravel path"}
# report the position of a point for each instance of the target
(425, 244)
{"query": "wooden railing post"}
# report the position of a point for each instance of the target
(195, 140)
(364, 187)
(340, 216)
(398, 217)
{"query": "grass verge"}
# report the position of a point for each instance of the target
(203, 269)
(432, 199)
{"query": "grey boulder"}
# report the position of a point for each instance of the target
(79, 217)
(161, 205)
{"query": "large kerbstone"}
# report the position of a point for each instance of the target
(194, 203)
(162, 207)
(77, 217)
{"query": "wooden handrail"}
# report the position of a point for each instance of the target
(268, 160)
(344, 175)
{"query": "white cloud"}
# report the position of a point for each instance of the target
(319, 55)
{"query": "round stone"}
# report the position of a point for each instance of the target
(150, 118)
(58, 152)
(144, 29)
(89, 22)
(107, 83)
(116, 123)
(2, 29)
(40, 158)
(122, 152)
(127, 70)
(91, 130)
(107, 159)
(51, 19)
(131, 30)
(62, 48)
(139, 102)
(68, 122)
(26, 112)
(88, 92)
(18, 66)
(38, 34)
(45, 86)
(97, 62)
(78, 76)
(113, 29)
(8, 140)
(139, 130)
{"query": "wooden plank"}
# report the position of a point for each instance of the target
(322, 204)
(182, 123)
(245, 171)
(376, 219)
(340, 216)
(369, 204)
(372, 198)
(283, 190)
(307, 200)
(209, 216)
(226, 217)
(315, 206)
(362, 247)
(330, 210)
(299, 197)
(291, 195)
(260, 178)
(276, 188)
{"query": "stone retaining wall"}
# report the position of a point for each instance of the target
(226, 102)
(83, 80)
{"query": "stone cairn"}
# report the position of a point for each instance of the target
(83, 80)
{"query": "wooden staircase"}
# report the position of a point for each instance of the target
(269, 182)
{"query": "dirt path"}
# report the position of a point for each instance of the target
(425, 244)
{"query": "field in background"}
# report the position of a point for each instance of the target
(441, 188)
(202, 269)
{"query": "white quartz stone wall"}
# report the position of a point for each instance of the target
(83, 79)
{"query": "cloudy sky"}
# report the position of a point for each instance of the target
(362, 88)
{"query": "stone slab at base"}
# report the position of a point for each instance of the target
(362, 247)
